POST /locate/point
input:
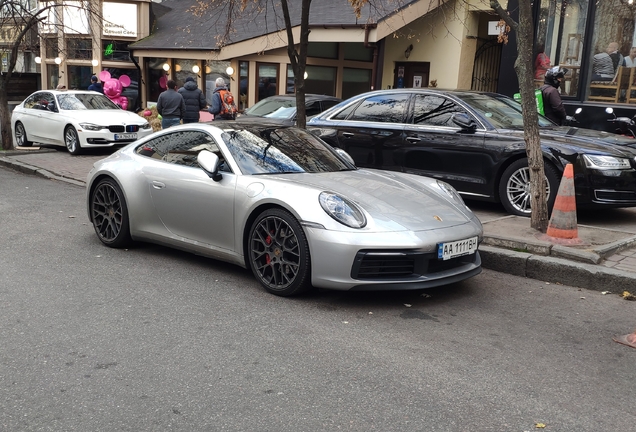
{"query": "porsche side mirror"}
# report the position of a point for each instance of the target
(464, 121)
(210, 163)
(344, 155)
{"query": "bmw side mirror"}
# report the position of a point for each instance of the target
(464, 121)
(210, 163)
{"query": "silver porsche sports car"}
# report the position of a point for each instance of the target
(281, 202)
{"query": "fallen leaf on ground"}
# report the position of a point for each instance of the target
(540, 425)
(628, 296)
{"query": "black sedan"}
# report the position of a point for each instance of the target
(474, 141)
(282, 108)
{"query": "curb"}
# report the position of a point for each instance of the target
(555, 270)
(30, 169)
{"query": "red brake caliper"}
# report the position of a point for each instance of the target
(268, 240)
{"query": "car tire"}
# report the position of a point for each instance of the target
(279, 253)
(71, 139)
(109, 214)
(21, 137)
(514, 187)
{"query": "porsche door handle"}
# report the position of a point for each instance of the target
(158, 184)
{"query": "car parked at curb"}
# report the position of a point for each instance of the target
(279, 201)
(475, 142)
(282, 108)
(75, 119)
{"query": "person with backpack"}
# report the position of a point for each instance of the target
(194, 100)
(223, 106)
(552, 103)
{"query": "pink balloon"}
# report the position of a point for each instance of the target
(147, 113)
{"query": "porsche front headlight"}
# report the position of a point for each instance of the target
(606, 162)
(342, 210)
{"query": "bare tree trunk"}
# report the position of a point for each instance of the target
(5, 117)
(298, 58)
(525, 75)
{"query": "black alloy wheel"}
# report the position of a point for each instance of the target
(279, 253)
(21, 137)
(514, 187)
(109, 213)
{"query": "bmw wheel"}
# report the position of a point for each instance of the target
(514, 187)
(279, 253)
(109, 213)
(71, 139)
(21, 136)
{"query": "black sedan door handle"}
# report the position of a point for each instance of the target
(347, 134)
(413, 139)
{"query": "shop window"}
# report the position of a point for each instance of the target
(560, 34)
(213, 70)
(355, 81)
(115, 50)
(357, 51)
(290, 86)
(52, 76)
(328, 50)
(79, 77)
(185, 68)
(79, 49)
(267, 78)
(51, 49)
(321, 80)
(243, 84)
(157, 77)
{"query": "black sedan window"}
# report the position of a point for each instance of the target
(499, 112)
(434, 110)
(281, 150)
(386, 108)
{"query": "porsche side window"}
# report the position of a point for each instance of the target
(431, 110)
(387, 108)
(180, 148)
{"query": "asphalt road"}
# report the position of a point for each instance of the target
(150, 339)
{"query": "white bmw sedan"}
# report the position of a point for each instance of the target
(76, 119)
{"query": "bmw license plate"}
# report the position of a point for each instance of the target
(132, 136)
(457, 248)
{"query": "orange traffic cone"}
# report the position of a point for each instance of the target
(629, 340)
(562, 223)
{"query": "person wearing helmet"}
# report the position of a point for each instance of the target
(552, 104)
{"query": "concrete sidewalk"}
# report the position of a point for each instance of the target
(605, 259)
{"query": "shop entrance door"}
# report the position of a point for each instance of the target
(411, 74)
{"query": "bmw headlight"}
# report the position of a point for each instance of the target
(342, 210)
(451, 192)
(606, 162)
(92, 127)
(145, 126)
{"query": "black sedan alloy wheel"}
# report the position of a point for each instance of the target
(514, 187)
(279, 253)
(110, 214)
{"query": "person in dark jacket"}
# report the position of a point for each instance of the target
(552, 104)
(170, 106)
(96, 86)
(194, 100)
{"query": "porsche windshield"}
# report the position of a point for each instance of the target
(501, 113)
(276, 150)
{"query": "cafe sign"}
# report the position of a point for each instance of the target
(120, 20)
